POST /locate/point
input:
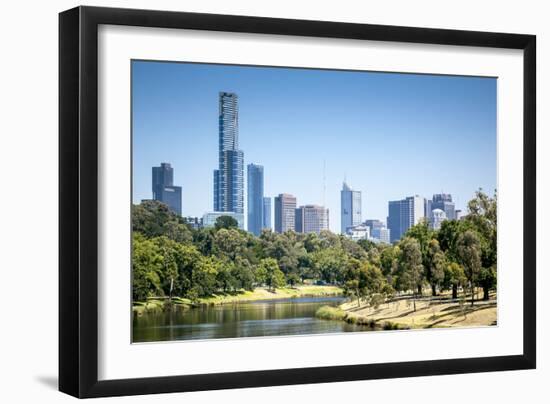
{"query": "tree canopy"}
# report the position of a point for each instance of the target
(170, 258)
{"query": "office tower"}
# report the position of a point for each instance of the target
(285, 212)
(266, 220)
(164, 189)
(428, 208)
(311, 219)
(350, 208)
(229, 176)
(374, 226)
(255, 198)
(404, 214)
(209, 218)
(438, 216)
(445, 203)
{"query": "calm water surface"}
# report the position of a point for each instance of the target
(250, 319)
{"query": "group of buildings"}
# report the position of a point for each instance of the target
(228, 184)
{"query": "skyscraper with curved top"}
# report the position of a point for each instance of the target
(229, 176)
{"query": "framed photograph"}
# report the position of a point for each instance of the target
(251, 201)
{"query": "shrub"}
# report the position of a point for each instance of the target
(330, 313)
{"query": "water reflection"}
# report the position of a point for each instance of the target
(250, 319)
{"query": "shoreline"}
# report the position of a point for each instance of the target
(439, 312)
(242, 296)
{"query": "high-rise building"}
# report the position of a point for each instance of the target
(229, 176)
(404, 214)
(427, 208)
(445, 203)
(266, 219)
(350, 207)
(311, 219)
(255, 198)
(285, 213)
(164, 189)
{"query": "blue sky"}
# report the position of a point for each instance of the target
(390, 135)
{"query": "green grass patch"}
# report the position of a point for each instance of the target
(330, 313)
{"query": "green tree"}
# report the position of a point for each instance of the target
(169, 271)
(243, 274)
(147, 264)
(483, 217)
(410, 263)
(422, 233)
(229, 243)
(204, 278)
(389, 262)
(224, 277)
(154, 218)
(454, 278)
(226, 222)
(469, 255)
(330, 264)
(435, 265)
(364, 280)
(268, 273)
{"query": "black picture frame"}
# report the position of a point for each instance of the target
(78, 201)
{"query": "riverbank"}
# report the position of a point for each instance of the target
(258, 294)
(430, 313)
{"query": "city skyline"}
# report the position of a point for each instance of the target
(310, 183)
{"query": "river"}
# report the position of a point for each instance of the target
(263, 318)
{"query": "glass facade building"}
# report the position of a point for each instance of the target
(229, 176)
(445, 203)
(311, 219)
(350, 208)
(285, 213)
(404, 214)
(163, 187)
(255, 198)
(266, 219)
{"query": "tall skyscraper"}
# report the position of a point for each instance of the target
(266, 219)
(404, 214)
(350, 207)
(255, 198)
(164, 189)
(229, 176)
(285, 213)
(311, 219)
(445, 203)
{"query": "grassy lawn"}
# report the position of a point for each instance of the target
(428, 314)
(243, 296)
(265, 294)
